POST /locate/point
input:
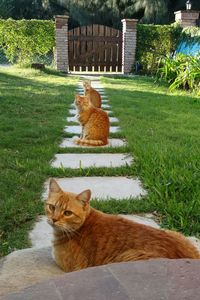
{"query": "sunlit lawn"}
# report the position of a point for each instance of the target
(33, 108)
(162, 131)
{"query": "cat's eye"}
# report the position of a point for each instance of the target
(51, 207)
(67, 213)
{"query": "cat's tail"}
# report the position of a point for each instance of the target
(86, 142)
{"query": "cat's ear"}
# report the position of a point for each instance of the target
(54, 187)
(84, 197)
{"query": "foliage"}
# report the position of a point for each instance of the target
(107, 12)
(23, 40)
(154, 41)
(5, 8)
(24, 9)
(191, 33)
(111, 12)
(181, 71)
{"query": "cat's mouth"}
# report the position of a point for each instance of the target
(59, 227)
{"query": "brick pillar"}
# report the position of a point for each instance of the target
(128, 44)
(187, 17)
(61, 55)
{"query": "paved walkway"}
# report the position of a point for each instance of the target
(140, 280)
(159, 279)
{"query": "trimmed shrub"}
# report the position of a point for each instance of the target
(154, 41)
(24, 40)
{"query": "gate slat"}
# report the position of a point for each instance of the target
(83, 45)
(95, 48)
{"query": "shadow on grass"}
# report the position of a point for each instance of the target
(159, 86)
(18, 81)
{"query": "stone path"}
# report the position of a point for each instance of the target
(29, 266)
(155, 279)
(103, 188)
(84, 160)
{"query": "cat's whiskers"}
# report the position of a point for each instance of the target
(70, 232)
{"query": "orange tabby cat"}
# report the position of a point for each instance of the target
(94, 122)
(85, 237)
(92, 94)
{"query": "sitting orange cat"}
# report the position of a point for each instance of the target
(92, 94)
(94, 122)
(85, 237)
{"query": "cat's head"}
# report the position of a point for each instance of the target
(65, 211)
(82, 102)
(87, 84)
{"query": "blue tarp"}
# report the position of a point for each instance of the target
(189, 48)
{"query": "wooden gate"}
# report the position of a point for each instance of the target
(95, 48)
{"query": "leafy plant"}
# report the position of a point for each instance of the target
(181, 71)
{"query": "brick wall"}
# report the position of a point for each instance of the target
(129, 44)
(187, 17)
(61, 55)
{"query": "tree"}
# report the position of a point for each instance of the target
(6, 8)
(108, 12)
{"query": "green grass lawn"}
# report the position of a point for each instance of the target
(33, 109)
(162, 131)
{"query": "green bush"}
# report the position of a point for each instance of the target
(24, 40)
(181, 71)
(154, 41)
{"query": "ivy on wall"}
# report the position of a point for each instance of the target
(154, 42)
(23, 40)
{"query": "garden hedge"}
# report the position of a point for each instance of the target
(23, 40)
(153, 42)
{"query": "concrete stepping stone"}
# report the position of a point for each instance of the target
(81, 92)
(105, 106)
(103, 188)
(23, 268)
(99, 89)
(41, 234)
(77, 129)
(73, 111)
(74, 119)
(89, 160)
(113, 120)
(154, 279)
(68, 143)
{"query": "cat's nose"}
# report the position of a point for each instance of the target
(54, 220)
